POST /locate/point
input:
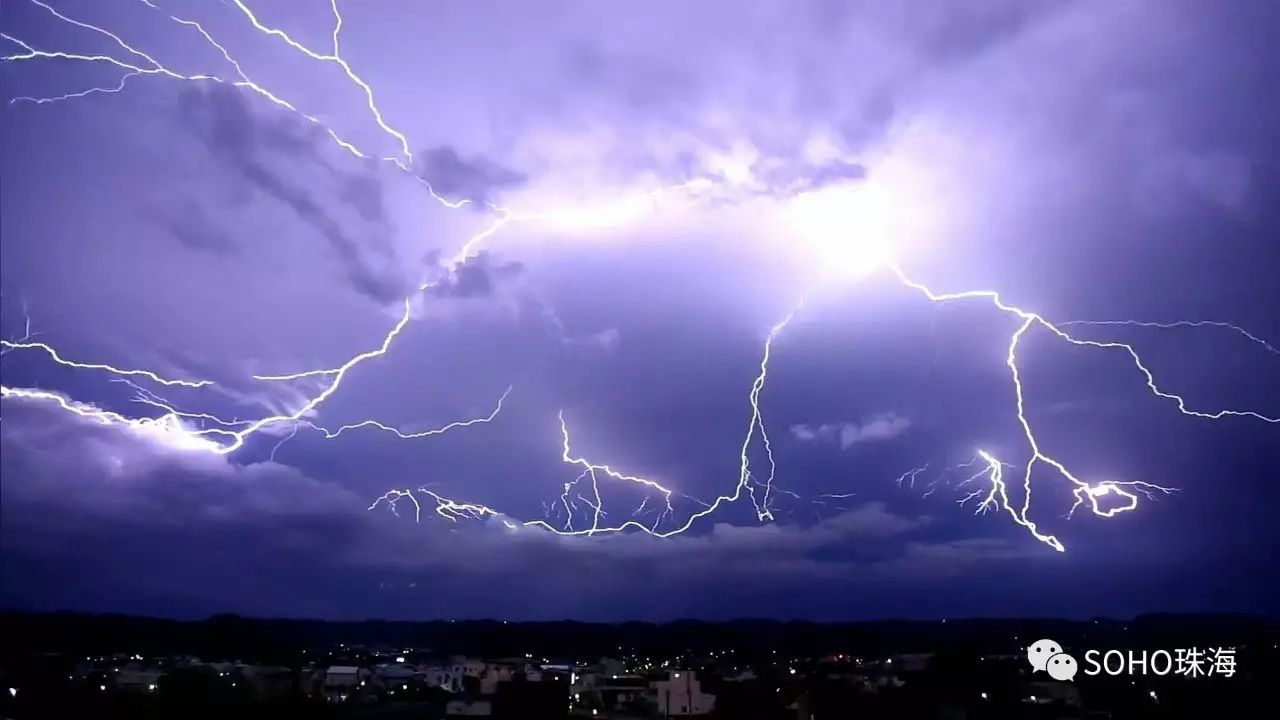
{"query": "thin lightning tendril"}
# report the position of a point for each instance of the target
(179, 427)
(1180, 324)
(53, 355)
(911, 475)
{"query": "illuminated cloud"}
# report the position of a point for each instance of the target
(455, 177)
(277, 155)
(847, 434)
(606, 341)
(954, 148)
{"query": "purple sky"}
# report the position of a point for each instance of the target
(677, 176)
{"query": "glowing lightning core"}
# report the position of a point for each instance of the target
(825, 218)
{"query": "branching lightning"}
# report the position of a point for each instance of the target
(53, 355)
(207, 432)
(910, 476)
(1180, 324)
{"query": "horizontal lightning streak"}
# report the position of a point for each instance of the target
(169, 426)
(331, 434)
(1030, 318)
(996, 496)
(57, 358)
(1180, 324)
(173, 424)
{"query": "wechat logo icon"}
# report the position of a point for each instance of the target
(1047, 655)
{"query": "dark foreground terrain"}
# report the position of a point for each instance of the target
(75, 665)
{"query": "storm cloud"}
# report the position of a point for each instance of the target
(848, 434)
(257, 148)
(471, 178)
(642, 164)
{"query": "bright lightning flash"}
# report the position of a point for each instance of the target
(849, 228)
(850, 231)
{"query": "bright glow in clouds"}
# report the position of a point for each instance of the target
(607, 210)
(859, 226)
(850, 227)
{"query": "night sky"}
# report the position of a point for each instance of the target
(667, 180)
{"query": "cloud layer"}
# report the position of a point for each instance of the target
(877, 428)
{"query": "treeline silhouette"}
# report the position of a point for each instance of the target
(228, 636)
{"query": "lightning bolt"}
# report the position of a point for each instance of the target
(1180, 324)
(590, 469)
(448, 509)
(142, 63)
(403, 435)
(173, 419)
(53, 354)
(911, 475)
(169, 427)
(179, 427)
(1085, 493)
(763, 512)
(996, 495)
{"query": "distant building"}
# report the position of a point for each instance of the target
(467, 667)
(442, 676)
(493, 674)
(681, 695)
(137, 679)
(611, 694)
(394, 675)
(340, 682)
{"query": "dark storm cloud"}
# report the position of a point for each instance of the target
(1056, 118)
(137, 526)
(472, 178)
(955, 33)
(478, 276)
(364, 193)
(254, 145)
(833, 172)
(191, 225)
